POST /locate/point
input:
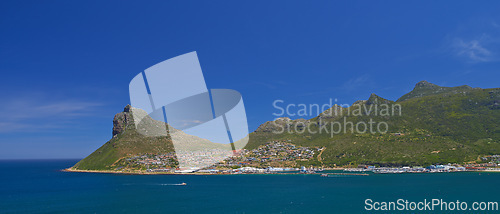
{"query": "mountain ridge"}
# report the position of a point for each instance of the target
(436, 125)
(424, 88)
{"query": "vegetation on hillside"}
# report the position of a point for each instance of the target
(434, 124)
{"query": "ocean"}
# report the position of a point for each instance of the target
(38, 186)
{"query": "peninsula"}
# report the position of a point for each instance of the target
(435, 126)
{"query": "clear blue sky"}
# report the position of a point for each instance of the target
(66, 65)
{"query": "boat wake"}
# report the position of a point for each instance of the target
(181, 184)
(177, 184)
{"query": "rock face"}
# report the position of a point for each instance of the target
(424, 88)
(281, 124)
(359, 102)
(121, 120)
(275, 125)
(425, 84)
(377, 100)
(335, 111)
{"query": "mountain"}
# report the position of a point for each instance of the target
(136, 134)
(127, 141)
(431, 124)
(436, 125)
(424, 88)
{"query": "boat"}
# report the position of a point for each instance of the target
(183, 184)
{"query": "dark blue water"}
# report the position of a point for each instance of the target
(39, 186)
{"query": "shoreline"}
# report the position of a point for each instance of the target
(130, 173)
(182, 173)
(202, 173)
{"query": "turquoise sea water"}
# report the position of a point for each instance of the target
(39, 186)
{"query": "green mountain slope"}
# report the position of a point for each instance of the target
(424, 88)
(126, 142)
(434, 125)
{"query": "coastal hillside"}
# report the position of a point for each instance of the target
(429, 125)
(127, 141)
(435, 125)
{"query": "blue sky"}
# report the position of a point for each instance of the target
(66, 65)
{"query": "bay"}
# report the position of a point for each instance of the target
(38, 186)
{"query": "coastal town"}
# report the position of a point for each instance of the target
(281, 157)
(428, 169)
(272, 157)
